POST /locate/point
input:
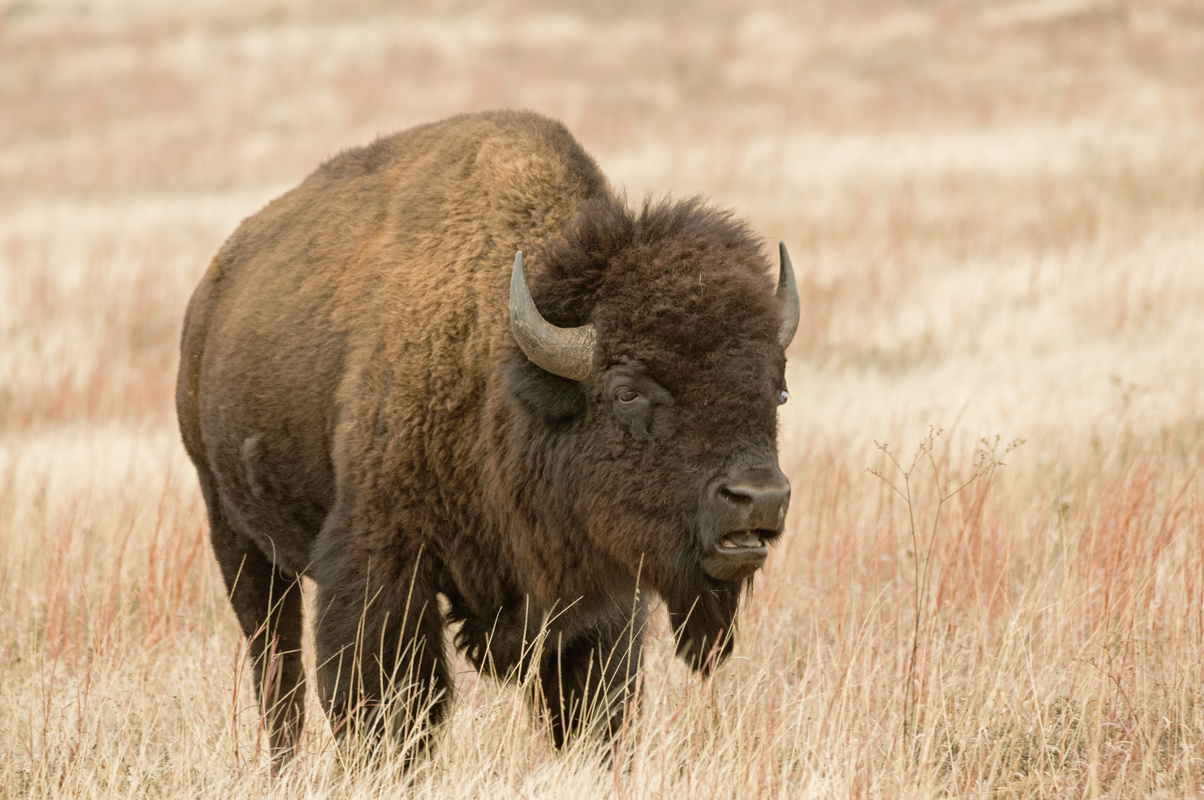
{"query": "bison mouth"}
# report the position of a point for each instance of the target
(738, 554)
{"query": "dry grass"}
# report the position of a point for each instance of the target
(997, 213)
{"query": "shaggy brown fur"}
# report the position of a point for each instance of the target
(358, 412)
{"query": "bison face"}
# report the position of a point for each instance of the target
(738, 508)
(657, 418)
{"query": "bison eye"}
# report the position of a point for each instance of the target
(635, 399)
(783, 396)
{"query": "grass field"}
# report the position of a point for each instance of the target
(996, 210)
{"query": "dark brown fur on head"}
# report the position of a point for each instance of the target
(681, 292)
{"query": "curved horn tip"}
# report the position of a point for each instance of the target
(787, 293)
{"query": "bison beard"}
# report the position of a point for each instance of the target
(379, 395)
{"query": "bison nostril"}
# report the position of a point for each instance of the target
(744, 495)
(735, 498)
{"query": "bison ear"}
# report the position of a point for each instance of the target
(548, 397)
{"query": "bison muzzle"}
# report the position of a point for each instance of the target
(379, 395)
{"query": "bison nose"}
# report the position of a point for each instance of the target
(755, 499)
(747, 510)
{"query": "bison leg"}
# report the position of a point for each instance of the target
(588, 683)
(382, 674)
(268, 605)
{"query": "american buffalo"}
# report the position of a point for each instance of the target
(379, 394)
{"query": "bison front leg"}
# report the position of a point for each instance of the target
(382, 673)
(588, 682)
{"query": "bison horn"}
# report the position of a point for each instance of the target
(567, 352)
(788, 296)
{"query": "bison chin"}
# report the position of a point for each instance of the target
(703, 616)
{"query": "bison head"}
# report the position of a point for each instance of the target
(652, 394)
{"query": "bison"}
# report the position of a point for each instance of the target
(377, 393)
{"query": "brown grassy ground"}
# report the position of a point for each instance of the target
(997, 213)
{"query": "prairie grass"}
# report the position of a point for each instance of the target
(997, 215)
